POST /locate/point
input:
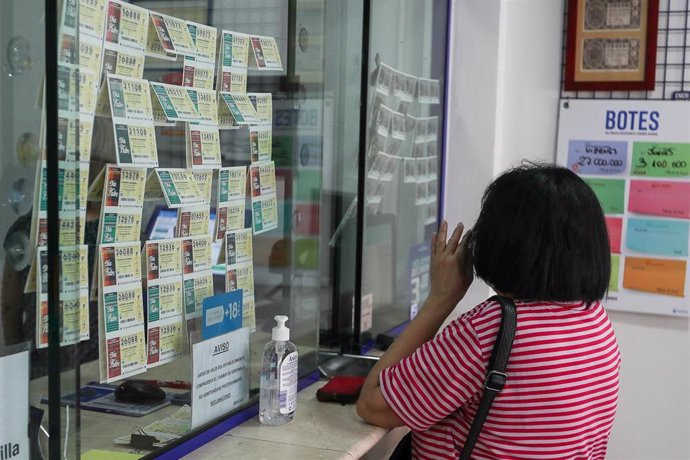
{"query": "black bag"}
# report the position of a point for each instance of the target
(493, 384)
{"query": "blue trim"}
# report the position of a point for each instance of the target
(397, 330)
(225, 425)
(446, 105)
(371, 344)
(308, 380)
(367, 347)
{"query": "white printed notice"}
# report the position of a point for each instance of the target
(14, 404)
(220, 378)
(635, 155)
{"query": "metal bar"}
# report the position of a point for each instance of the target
(445, 111)
(666, 48)
(51, 136)
(362, 174)
(564, 39)
(685, 46)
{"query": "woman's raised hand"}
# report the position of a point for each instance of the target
(451, 267)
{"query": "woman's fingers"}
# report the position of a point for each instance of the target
(434, 236)
(462, 246)
(441, 237)
(465, 256)
(455, 238)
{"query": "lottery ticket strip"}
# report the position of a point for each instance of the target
(150, 293)
(400, 140)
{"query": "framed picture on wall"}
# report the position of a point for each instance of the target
(611, 45)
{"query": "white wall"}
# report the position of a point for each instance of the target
(503, 94)
(471, 120)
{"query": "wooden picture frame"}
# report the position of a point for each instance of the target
(611, 46)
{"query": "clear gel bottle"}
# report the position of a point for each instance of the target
(278, 392)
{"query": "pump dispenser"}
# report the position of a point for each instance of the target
(280, 332)
(279, 372)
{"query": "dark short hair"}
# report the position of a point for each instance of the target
(541, 235)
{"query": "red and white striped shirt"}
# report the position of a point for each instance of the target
(561, 395)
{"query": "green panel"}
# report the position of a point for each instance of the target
(282, 151)
(615, 264)
(611, 193)
(308, 185)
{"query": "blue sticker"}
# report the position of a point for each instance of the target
(597, 157)
(222, 313)
(418, 269)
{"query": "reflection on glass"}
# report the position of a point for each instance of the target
(405, 113)
(18, 55)
(27, 149)
(303, 268)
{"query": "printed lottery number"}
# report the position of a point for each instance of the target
(679, 164)
(586, 161)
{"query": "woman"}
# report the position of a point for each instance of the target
(541, 240)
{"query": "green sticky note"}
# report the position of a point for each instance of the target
(610, 192)
(613, 281)
(660, 159)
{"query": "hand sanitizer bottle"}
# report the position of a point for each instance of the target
(278, 393)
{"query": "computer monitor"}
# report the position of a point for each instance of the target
(162, 224)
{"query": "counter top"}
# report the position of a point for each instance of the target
(318, 431)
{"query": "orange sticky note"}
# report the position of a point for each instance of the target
(659, 276)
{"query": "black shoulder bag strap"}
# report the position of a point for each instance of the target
(496, 374)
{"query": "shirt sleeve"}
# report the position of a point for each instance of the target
(437, 379)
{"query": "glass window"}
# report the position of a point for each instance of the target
(149, 128)
(405, 119)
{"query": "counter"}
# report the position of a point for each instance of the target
(319, 430)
